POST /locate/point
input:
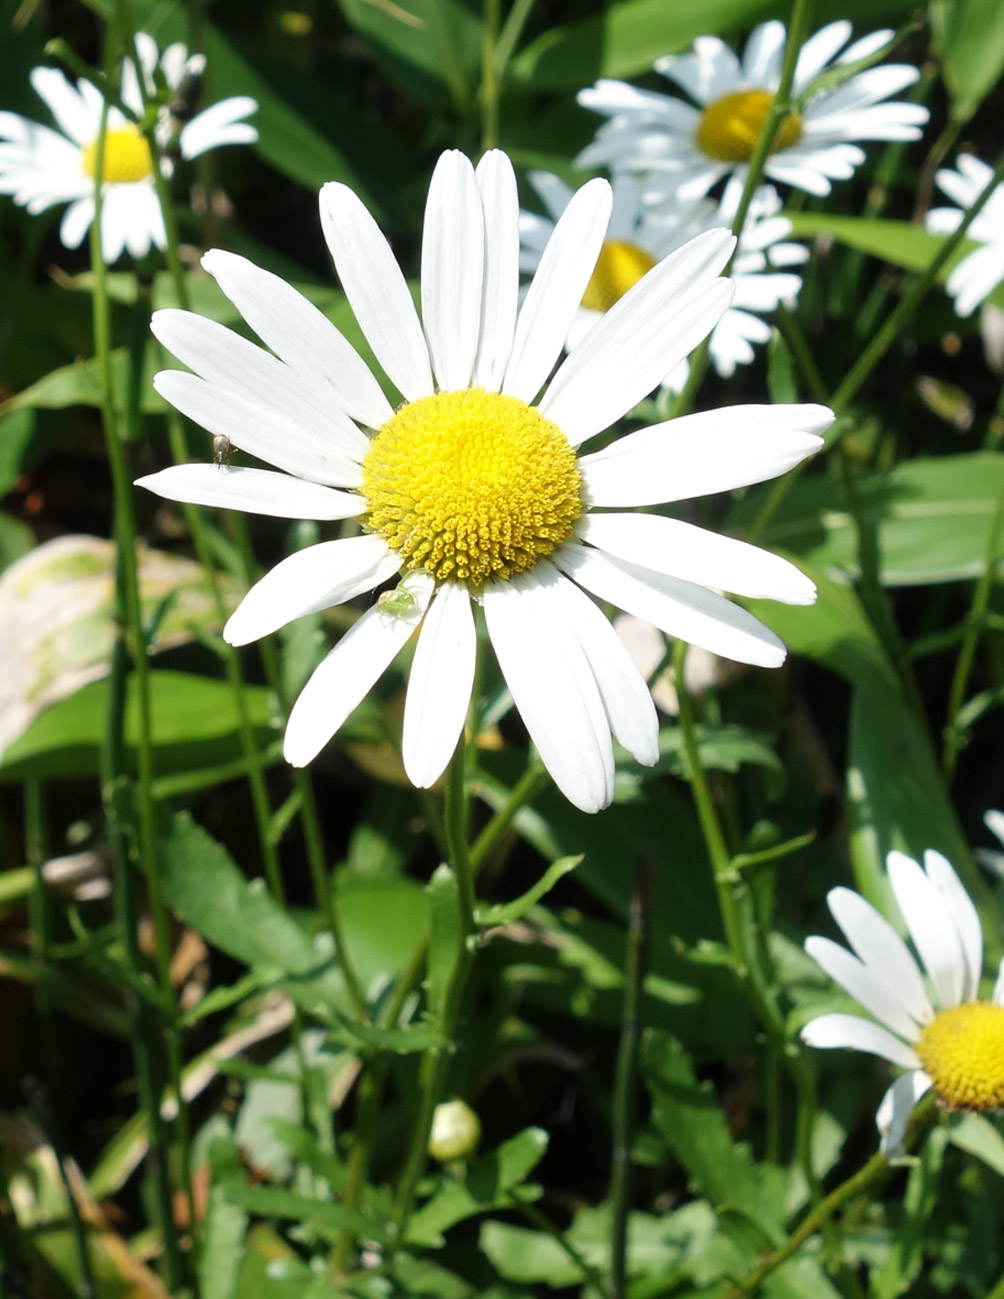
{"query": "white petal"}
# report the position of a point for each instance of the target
(959, 909)
(299, 334)
(76, 222)
(309, 580)
(641, 339)
(714, 451)
(553, 688)
(762, 53)
(626, 698)
(376, 289)
(696, 555)
(998, 994)
(818, 50)
(864, 985)
(881, 949)
(278, 441)
(65, 104)
(895, 1109)
(994, 821)
(939, 944)
(556, 290)
(218, 125)
(342, 679)
(256, 491)
(680, 609)
(227, 360)
(453, 262)
(859, 1035)
(439, 688)
(497, 183)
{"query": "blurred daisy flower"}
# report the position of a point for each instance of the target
(473, 490)
(41, 167)
(694, 145)
(993, 858)
(983, 269)
(952, 1043)
(639, 236)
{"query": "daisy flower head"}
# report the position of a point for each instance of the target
(983, 269)
(640, 235)
(693, 145)
(940, 1031)
(41, 167)
(472, 491)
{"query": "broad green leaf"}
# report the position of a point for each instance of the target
(224, 1227)
(485, 1185)
(899, 242)
(16, 539)
(404, 1041)
(977, 1136)
(933, 519)
(905, 1258)
(16, 431)
(325, 1215)
(505, 913)
(195, 723)
(969, 37)
(442, 38)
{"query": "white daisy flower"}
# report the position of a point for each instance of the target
(695, 145)
(640, 236)
(472, 489)
(991, 857)
(980, 272)
(41, 167)
(952, 1043)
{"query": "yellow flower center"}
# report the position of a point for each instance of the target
(126, 157)
(619, 267)
(962, 1051)
(471, 485)
(730, 127)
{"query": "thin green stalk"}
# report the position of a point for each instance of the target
(490, 75)
(625, 1083)
(543, 1223)
(54, 1071)
(964, 663)
(148, 1040)
(781, 105)
(435, 1064)
(512, 29)
(522, 793)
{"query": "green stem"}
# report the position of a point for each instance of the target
(511, 31)
(967, 653)
(490, 75)
(54, 1064)
(435, 1064)
(543, 1223)
(636, 962)
(522, 793)
(148, 1039)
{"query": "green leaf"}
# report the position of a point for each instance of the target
(969, 36)
(442, 38)
(405, 1041)
(195, 722)
(485, 1185)
(898, 242)
(225, 1225)
(933, 519)
(505, 913)
(977, 1136)
(326, 1216)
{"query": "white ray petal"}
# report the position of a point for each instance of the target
(453, 263)
(439, 688)
(308, 580)
(262, 433)
(958, 907)
(497, 183)
(256, 491)
(300, 335)
(376, 290)
(553, 688)
(694, 554)
(680, 609)
(556, 289)
(342, 679)
(895, 1109)
(714, 451)
(859, 1035)
(881, 949)
(864, 985)
(939, 944)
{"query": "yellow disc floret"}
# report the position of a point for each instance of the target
(619, 267)
(730, 127)
(126, 157)
(471, 485)
(962, 1051)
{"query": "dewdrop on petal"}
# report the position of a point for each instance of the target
(456, 1132)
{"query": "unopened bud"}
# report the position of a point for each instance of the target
(456, 1131)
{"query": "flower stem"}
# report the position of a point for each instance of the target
(490, 75)
(635, 965)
